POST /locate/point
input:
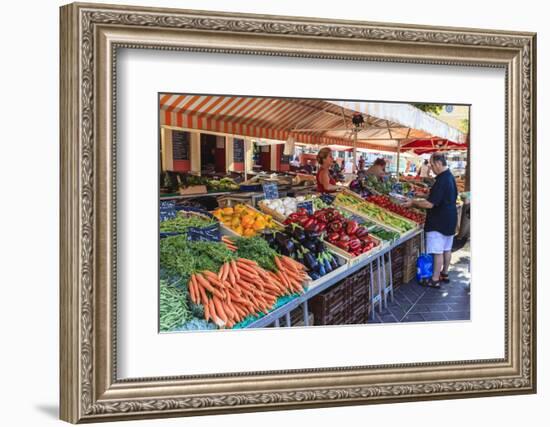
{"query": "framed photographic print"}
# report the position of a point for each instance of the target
(268, 212)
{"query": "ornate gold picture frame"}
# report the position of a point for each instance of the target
(90, 37)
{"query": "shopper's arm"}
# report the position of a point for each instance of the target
(425, 204)
(419, 203)
(325, 181)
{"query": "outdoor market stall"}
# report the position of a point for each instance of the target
(269, 248)
(372, 271)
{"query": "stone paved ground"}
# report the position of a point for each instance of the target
(415, 303)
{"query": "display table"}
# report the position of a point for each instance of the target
(379, 293)
(350, 293)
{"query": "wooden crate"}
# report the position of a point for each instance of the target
(412, 246)
(397, 261)
(459, 218)
(409, 268)
(345, 303)
(276, 215)
(193, 189)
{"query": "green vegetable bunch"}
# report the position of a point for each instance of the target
(383, 233)
(181, 223)
(319, 204)
(173, 307)
(224, 184)
(375, 212)
(256, 249)
(183, 258)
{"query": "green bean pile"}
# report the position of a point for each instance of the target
(181, 223)
(173, 307)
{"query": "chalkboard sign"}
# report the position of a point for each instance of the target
(167, 210)
(271, 191)
(180, 145)
(238, 150)
(307, 205)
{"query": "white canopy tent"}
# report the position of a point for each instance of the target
(389, 125)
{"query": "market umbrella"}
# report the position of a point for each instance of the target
(425, 146)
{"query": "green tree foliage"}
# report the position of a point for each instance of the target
(464, 125)
(434, 109)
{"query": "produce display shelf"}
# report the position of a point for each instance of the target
(342, 255)
(266, 210)
(350, 193)
(230, 202)
(351, 259)
(383, 224)
(316, 288)
(216, 194)
(335, 272)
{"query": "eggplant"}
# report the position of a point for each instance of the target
(299, 234)
(328, 267)
(314, 275)
(270, 238)
(290, 247)
(313, 235)
(281, 239)
(319, 246)
(322, 270)
(334, 262)
(309, 245)
(285, 244)
(310, 261)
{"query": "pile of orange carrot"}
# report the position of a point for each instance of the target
(242, 288)
(229, 243)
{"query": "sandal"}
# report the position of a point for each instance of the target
(432, 284)
(444, 278)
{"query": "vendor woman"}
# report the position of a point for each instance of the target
(377, 169)
(325, 183)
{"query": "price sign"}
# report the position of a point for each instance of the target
(238, 150)
(271, 191)
(167, 210)
(307, 205)
(180, 145)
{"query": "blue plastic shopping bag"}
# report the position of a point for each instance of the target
(424, 267)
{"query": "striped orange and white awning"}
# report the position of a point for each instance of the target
(309, 121)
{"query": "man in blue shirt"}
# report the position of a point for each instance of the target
(441, 218)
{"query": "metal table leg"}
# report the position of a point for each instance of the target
(305, 310)
(384, 288)
(372, 296)
(379, 284)
(288, 321)
(277, 323)
(391, 277)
